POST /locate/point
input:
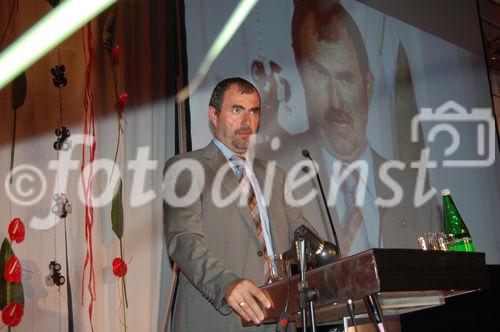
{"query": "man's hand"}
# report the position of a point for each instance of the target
(245, 298)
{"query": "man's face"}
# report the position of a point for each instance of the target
(337, 94)
(238, 120)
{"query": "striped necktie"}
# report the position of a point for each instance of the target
(246, 186)
(353, 217)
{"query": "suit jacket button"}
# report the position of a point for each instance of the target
(260, 253)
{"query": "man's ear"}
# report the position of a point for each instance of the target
(212, 115)
(369, 85)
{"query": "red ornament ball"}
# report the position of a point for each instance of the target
(12, 314)
(16, 230)
(119, 267)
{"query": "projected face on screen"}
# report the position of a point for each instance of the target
(337, 86)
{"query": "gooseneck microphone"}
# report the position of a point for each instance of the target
(307, 155)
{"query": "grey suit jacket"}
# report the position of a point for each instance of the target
(213, 245)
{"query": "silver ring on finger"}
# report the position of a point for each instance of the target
(241, 304)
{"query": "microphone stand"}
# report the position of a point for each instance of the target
(306, 154)
(305, 294)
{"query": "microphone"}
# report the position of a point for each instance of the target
(307, 155)
(315, 244)
(318, 251)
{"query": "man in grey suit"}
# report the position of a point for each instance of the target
(225, 245)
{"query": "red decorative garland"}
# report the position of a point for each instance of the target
(16, 230)
(12, 272)
(122, 102)
(116, 55)
(86, 180)
(12, 314)
(13, 311)
(119, 267)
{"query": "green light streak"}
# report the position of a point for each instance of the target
(46, 34)
(230, 28)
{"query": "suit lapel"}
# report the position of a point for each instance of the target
(217, 162)
(260, 173)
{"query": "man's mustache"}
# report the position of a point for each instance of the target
(244, 130)
(338, 115)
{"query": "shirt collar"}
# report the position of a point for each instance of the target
(366, 156)
(227, 152)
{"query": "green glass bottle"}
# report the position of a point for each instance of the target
(454, 225)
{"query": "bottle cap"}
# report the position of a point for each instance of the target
(445, 192)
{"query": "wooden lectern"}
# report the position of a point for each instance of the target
(403, 279)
